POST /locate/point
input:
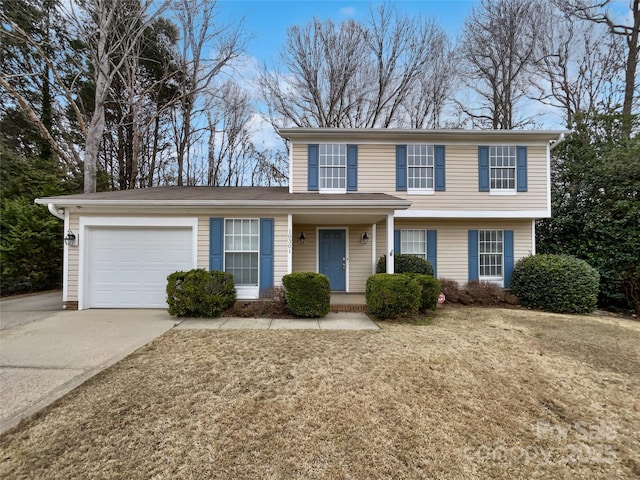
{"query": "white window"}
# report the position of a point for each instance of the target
(333, 167)
(420, 168)
(490, 255)
(502, 166)
(414, 242)
(241, 250)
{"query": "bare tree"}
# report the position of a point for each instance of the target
(581, 67)
(598, 11)
(499, 50)
(356, 75)
(93, 21)
(200, 32)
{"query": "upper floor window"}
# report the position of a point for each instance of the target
(502, 168)
(490, 255)
(333, 167)
(420, 168)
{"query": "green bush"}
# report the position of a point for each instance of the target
(430, 291)
(405, 264)
(199, 293)
(556, 283)
(392, 295)
(307, 293)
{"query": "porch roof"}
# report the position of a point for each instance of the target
(233, 197)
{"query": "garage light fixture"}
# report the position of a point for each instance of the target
(70, 238)
(365, 238)
(301, 238)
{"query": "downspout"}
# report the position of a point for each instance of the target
(557, 142)
(55, 212)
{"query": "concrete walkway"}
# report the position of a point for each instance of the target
(46, 352)
(333, 321)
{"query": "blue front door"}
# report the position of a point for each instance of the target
(332, 258)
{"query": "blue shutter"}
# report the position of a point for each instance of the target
(508, 256)
(521, 173)
(266, 254)
(432, 250)
(396, 242)
(483, 169)
(216, 243)
(473, 255)
(439, 169)
(352, 168)
(401, 168)
(312, 170)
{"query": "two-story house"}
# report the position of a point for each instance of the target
(465, 200)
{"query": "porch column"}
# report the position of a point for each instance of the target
(390, 251)
(374, 247)
(289, 242)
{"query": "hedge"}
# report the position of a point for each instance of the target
(307, 293)
(392, 295)
(430, 291)
(556, 283)
(200, 293)
(405, 264)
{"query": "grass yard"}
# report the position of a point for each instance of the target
(479, 393)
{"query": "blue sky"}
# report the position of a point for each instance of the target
(266, 21)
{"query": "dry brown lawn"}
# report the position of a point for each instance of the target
(479, 393)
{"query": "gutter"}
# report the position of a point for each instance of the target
(55, 211)
(226, 203)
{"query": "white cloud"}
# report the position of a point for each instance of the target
(348, 11)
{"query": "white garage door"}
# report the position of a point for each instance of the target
(128, 267)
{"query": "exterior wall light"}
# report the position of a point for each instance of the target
(301, 238)
(365, 238)
(70, 238)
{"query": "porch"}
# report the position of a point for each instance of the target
(348, 302)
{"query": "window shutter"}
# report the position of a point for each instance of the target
(266, 254)
(439, 181)
(352, 168)
(312, 170)
(396, 242)
(473, 255)
(432, 250)
(483, 169)
(508, 257)
(216, 243)
(521, 173)
(401, 168)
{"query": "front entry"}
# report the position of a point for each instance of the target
(332, 258)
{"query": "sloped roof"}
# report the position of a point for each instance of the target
(223, 196)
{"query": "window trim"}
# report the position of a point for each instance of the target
(422, 191)
(243, 290)
(504, 191)
(342, 167)
(491, 279)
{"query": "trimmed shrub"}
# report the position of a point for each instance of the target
(200, 293)
(307, 293)
(430, 291)
(405, 264)
(556, 283)
(392, 295)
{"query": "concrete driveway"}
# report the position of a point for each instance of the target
(29, 308)
(46, 353)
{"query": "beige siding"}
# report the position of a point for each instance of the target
(453, 247)
(359, 258)
(376, 173)
(280, 242)
(304, 256)
(73, 259)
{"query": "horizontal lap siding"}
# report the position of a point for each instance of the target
(359, 258)
(280, 242)
(376, 174)
(453, 241)
(304, 256)
(74, 258)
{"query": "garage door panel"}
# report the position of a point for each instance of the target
(128, 267)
